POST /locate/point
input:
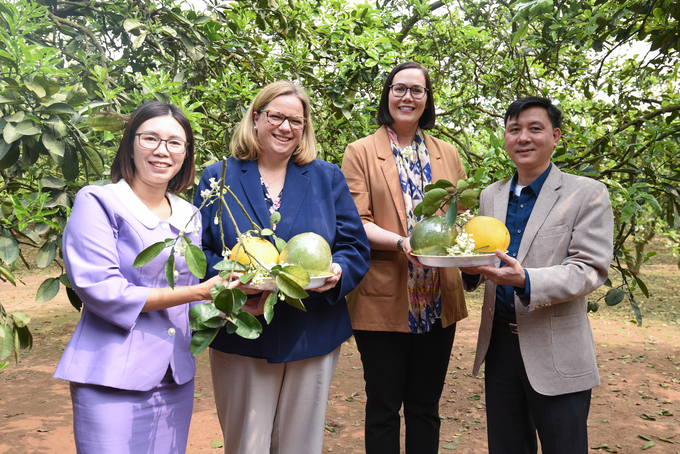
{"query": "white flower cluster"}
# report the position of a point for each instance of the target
(463, 218)
(191, 227)
(465, 245)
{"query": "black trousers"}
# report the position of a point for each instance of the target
(404, 368)
(515, 412)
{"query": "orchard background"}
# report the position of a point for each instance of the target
(71, 71)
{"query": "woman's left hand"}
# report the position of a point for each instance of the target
(408, 251)
(331, 281)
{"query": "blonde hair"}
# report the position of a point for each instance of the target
(244, 144)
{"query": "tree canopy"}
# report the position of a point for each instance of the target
(71, 71)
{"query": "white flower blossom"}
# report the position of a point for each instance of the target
(176, 274)
(465, 245)
(205, 193)
(216, 220)
(226, 252)
(213, 184)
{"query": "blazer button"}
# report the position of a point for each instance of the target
(171, 332)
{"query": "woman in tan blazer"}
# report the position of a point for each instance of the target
(403, 314)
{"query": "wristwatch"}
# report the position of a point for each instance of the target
(399, 247)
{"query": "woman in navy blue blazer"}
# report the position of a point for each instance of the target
(271, 392)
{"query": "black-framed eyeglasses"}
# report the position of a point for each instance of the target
(399, 91)
(150, 141)
(277, 118)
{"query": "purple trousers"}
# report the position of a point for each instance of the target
(116, 421)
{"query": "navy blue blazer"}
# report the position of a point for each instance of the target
(316, 199)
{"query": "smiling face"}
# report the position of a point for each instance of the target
(529, 141)
(406, 111)
(281, 140)
(157, 167)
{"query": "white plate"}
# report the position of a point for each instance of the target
(443, 261)
(269, 283)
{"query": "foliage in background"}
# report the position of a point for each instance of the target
(71, 71)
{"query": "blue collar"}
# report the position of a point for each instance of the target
(536, 185)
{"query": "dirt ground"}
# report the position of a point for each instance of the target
(637, 404)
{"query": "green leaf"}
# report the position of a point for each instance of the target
(9, 248)
(47, 290)
(170, 269)
(52, 182)
(35, 88)
(202, 340)
(10, 133)
(139, 40)
(227, 265)
(7, 274)
(296, 303)
(521, 33)
(20, 319)
(6, 341)
(27, 128)
(224, 301)
(269, 304)
(280, 243)
(25, 338)
(451, 215)
(247, 326)
(46, 254)
(64, 281)
(4, 364)
(434, 196)
(266, 232)
(614, 296)
(288, 284)
(196, 261)
(70, 168)
(74, 299)
(204, 316)
(110, 123)
(418, 210)
(54, 146)
(648, 445)
(217, 444)
(60, 108)
(132, 24)
(149, 254)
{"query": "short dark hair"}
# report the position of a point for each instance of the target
(427, 118)
(123, 164)
(523, 104)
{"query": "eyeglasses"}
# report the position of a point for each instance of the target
(277, 118)
(399, 91)
(152, 142)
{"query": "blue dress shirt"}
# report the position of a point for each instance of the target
(519, 211)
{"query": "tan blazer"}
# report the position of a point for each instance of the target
(566, 249)
(380, 302)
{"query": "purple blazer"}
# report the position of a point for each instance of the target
(115, 344)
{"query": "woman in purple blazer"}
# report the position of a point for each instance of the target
(128, 361)
(271, 392)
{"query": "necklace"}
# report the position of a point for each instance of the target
(268, 183)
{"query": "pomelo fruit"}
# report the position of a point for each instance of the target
(309, 251)
(259, 248)
(489, 234)
(432, 236)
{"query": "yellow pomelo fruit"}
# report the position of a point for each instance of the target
(489, 234)
(259, 248)
(432, 236)
(309, 251)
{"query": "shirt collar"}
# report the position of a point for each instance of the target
(536, 185)
(181, 210)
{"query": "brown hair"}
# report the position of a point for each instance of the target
(123, 166)
(244, 144)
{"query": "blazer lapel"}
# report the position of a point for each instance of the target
(389, 169)
(252, 188)
(544, 204)
(294, 194)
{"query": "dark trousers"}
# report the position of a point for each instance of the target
(404, 368)
(515, 412)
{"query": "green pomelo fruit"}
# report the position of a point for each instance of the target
(432, 236)
(309, 251)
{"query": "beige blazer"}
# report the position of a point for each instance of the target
(380, 302)
(566, 249)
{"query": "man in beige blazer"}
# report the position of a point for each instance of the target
(535, 335)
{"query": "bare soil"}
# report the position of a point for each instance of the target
(637, 404)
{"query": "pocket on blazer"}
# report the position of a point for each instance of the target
(380, 280)
(552, 231)
(572, 345)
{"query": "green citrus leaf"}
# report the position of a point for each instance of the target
(196, 261)
(228, 265)
(27, 128)
(269, 307)
(202, 339)
(60, 107)
(7, 274)
(296, 303)
(247, 326)
(46, 254)
(47, 290)
(435, 196)
(54, 146)
(149, 254)
(6, 341)
(204, 316)
(9, 248)
(614, 296)
(25, 338)
(20, 319)
(109, 123)
(451, 215)
(170, 269)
